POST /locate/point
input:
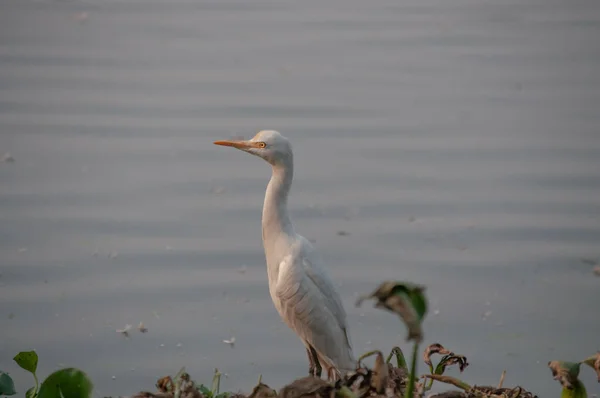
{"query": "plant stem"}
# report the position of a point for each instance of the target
(450, 380)
(216, 382)
(413, 370)
(430, 380)
(37, 384)
(366, 355)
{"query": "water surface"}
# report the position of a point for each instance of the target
(457, 142)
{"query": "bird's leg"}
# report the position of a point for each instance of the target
(313, 359)
(311, 362)
(333, 375)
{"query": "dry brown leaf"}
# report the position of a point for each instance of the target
(435, 348)
(238, 395)
(594, 362)
(379, 380)
(565, 372)
(493, 392)
(359, 381)
(406, 300)
(308, 386)
(147, 394)
(397, 379)
(262, 391)
(187, 389)
(455, 359)
(450, 394)
(165, 384)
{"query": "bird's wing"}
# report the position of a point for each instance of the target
(311, 306)
(325, 285)
(322, 280)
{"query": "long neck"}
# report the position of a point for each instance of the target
(275, 219)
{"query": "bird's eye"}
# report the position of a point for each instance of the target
(262, 145)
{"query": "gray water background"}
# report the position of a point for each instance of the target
(457, 142)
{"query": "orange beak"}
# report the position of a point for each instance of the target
(238, 144)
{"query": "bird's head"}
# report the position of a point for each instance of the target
(267, 144)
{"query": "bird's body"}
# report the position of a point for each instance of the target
(302, 291)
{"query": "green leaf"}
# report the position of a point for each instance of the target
(205, 391)
(577, 391)
(30, 393)
(400, 360)
(223, 395)
(27, 360)
(216, 382)
(405, 299)
(417, 297)
(7, 386)
(435, 348)
(66, 383)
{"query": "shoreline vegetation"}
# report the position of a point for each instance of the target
(391, 376)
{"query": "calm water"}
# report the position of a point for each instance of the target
(457, 142)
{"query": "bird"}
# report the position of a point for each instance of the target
(301, 289)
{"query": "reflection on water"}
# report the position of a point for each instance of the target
(455, 141)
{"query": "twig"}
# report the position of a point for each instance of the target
(450, 380)
(502, 379)
(366, 355)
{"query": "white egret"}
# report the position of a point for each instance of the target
(301, 289)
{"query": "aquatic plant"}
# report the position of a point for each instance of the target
(7, 386)
(449, 358)
(408, 301)
(567, 373)
(181, 385)
(65, 383)
(387, 378)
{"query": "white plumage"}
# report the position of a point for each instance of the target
(301, 289)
